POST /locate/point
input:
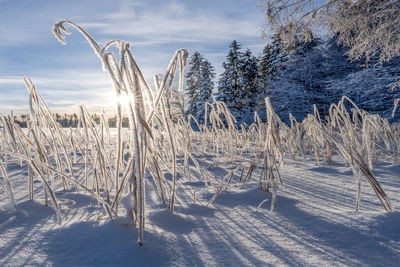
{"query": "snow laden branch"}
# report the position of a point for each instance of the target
(369, 27)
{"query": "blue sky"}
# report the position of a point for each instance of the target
(69, 75)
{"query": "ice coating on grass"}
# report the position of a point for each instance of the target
(176, 181)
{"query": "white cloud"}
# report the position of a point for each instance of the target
(7, 80)
(174, 23)
(69, 76)
(63, 92)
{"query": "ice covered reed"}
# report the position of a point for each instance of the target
(117, 168)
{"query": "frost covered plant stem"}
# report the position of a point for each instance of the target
(7, 187)
(127, 77)
(396, 103)
(155, 144)
(353, 146)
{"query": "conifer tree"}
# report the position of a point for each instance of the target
(270, 60)
(250, 89)
(292, 78)
(193, 81)
(269, 65)
(205, 93)
(230, 83)
(199, 85)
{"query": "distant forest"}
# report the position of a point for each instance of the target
(71, 120)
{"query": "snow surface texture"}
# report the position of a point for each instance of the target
(314, 224)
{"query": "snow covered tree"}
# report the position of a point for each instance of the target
(193, 81)
(250, 89)
(270, 60)
(289, 73)
(366, 26)
(368, 86)
(320, 73)
(205, 93)
(230, 84)
(296, 83)
(199, 85)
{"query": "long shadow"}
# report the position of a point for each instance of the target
(167, 243)
(172, 222)
(195, 235)
(110, 244)
(254, 228)
(331, 171)
(368, 243)
(200, 241)
(25, 223)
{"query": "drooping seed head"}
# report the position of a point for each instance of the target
(59, 30)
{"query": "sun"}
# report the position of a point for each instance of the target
(123, 99)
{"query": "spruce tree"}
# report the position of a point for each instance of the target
(269, 65)
(193, 81)
(295, 83)
(199, 85)
(230, 82)
(250, 88)
(205, 93)
(271, 59)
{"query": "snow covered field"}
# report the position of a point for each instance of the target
(163, 194)
(314, 224)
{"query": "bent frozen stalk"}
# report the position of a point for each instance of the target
(127, 77)
(114, 171)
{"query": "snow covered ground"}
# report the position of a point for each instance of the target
(314, 224)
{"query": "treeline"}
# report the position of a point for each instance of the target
(298, 78)
(295, 77)
(71, 120)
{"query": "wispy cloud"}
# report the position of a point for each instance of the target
(67, 91)
(175, 23)
(71, 75)
(7, 80)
